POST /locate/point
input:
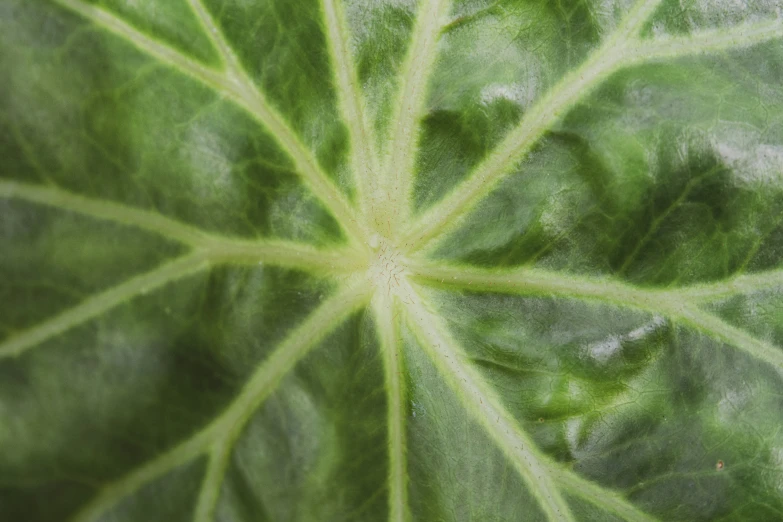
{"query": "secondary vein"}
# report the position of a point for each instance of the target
(623, 49)
(481, 402)
(105, 210)
(363, 158)
(409, 108)
(708, 41)
(209, 495)
(220, 249)
(100, 303)
(327, 317)
(681, 304)
(383, 307)
(234, 84)
(599, 496)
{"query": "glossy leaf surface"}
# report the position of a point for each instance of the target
(435, 260)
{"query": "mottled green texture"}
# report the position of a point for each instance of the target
(434, 260)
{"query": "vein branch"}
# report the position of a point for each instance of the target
(383, 307)
(681, 304)
(708, 41)
(573, 87)
(104, 210)
(114, 492)
(605, 499)
(100, 303)
(236, 85)
(352, 104)
(481, 402)
(227, 427)
(410, 107)
(335, 262)
(219, 457)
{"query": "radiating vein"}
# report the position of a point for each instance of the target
(254, 100)
(352, 105)
(731, 335)
(133, 481)
(573, 87)
(209, 495)
(678, 304)
(623, 49)
(632, 23)
(102, 302)
(104, 210)
(740, 284)
(337, 261)
(481, 402)
(291, 255)
(384, 307)
(215, 35)
(236, 86)
(327, 317)
(544, 477)
(709, 41)
(409, 108)
(600, 497)
(159, 50)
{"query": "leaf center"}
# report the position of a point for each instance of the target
(387, 268)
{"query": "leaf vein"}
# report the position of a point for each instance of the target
(409, 108)
(236, 86)
(479, 400)
(384, 307)
(352, 104)
(676, 304)
(327, 317)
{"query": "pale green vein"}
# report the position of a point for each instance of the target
(130, 483)
(573, 87)
(409, 108)
(731, 335)
(601, 497)
(237, 252)
(215, 35)
(337, 262)
(678, 304)
(331, 313)
(104, 210)
(352, 104)
(479, 400)
(710, 41)
(234, 84)
(538, 471)
(383, 307)
(100, 303)
(621, 50)
(254, 100)
(208, 497)
(206, 75)
(632, 23)
(741, 284)
(327, 317)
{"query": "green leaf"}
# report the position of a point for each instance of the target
(304, 260)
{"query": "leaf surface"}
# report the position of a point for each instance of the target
(391, 260)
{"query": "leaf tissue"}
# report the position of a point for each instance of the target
(391, 260)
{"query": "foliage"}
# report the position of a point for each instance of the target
(348, 260)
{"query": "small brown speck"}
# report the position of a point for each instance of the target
(541, 419)
(719, 465)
